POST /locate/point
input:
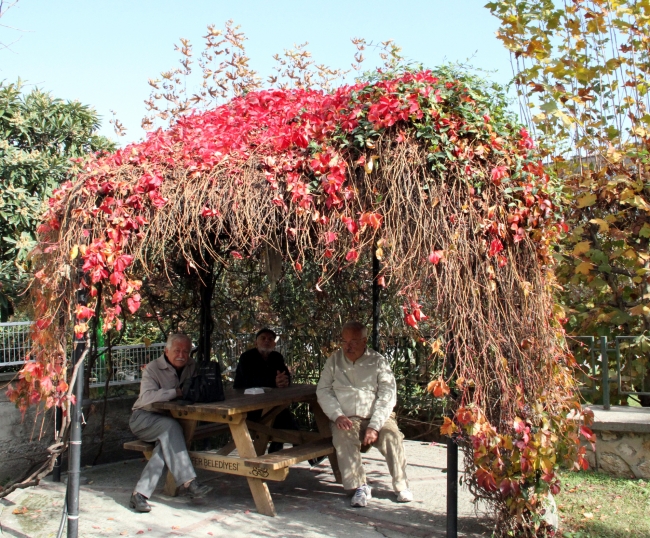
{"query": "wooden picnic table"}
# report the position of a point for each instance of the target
(251, 461)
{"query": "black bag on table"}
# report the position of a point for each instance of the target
(205, 386)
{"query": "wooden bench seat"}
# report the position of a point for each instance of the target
(201, 432)
(210, 429)
(289, 456)
(139, 446)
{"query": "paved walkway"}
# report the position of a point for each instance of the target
(309, 504)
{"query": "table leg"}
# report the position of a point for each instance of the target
(268, 416)
(188, 426)
(261, 440)
(261, 495)
(323, 424)
(224, 451)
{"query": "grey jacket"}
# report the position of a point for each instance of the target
(159, 382)
(365, 388)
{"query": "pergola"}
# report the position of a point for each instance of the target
(426, 176)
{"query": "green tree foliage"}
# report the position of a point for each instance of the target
(38, 136)
(581, 71)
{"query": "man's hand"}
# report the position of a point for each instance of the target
(370, 437)
(281, 379)
(343, 423)
(179, 393)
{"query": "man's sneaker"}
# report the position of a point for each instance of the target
(361, 496)
(196, 490)
(405, 496)
(139, 503)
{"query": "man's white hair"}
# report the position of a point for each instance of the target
(356, 327)
(177, 336)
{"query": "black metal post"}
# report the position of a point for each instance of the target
(58, 418)
(452, 453)
(206, 290)
(74, 448)
(376, 310)
(452, 488)
(604, 362)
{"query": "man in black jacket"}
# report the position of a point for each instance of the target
(262, 366)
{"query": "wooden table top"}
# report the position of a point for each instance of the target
(237, 402)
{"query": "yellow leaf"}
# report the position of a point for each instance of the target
(147, 341)
(614, 156)
(74, 252)
(448, 428)
(370, 164)
(547, 465)
(584, 268)
(627, 193)
(581, 248)
(566, 119)
(585, 201)
(604, 225)
(639, 202)
(630, 254)
(640, 310)
(379, 253)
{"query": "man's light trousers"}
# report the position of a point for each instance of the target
(170, 450)
(348, 452)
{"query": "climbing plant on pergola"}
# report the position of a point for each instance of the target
(421, 170)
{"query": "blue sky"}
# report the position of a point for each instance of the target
(102, 53)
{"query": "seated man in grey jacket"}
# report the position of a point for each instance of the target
(357, 391)
(161, 382)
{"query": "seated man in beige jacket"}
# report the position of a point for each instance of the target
(161, 382)
(357, 391)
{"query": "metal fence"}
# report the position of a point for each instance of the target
(603, 364)
(14, 342)
(127, 364)
(621, 364)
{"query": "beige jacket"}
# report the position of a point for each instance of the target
(159, 382)
(365, 388)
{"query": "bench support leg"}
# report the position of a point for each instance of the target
(224, 451)
(170, 488)
(170, 484)
(323, 424)
(261, 495)
(189, 426)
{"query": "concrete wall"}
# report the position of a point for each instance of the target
(23, 440)
(623, 442)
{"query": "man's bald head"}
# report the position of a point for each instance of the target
(354, 337)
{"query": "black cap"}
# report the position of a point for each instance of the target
(265, 330)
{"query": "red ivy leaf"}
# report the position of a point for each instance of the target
(496, 246)
(486, 479)
(410, 320)
(352, 255)
(133, 303)
(436, 256)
